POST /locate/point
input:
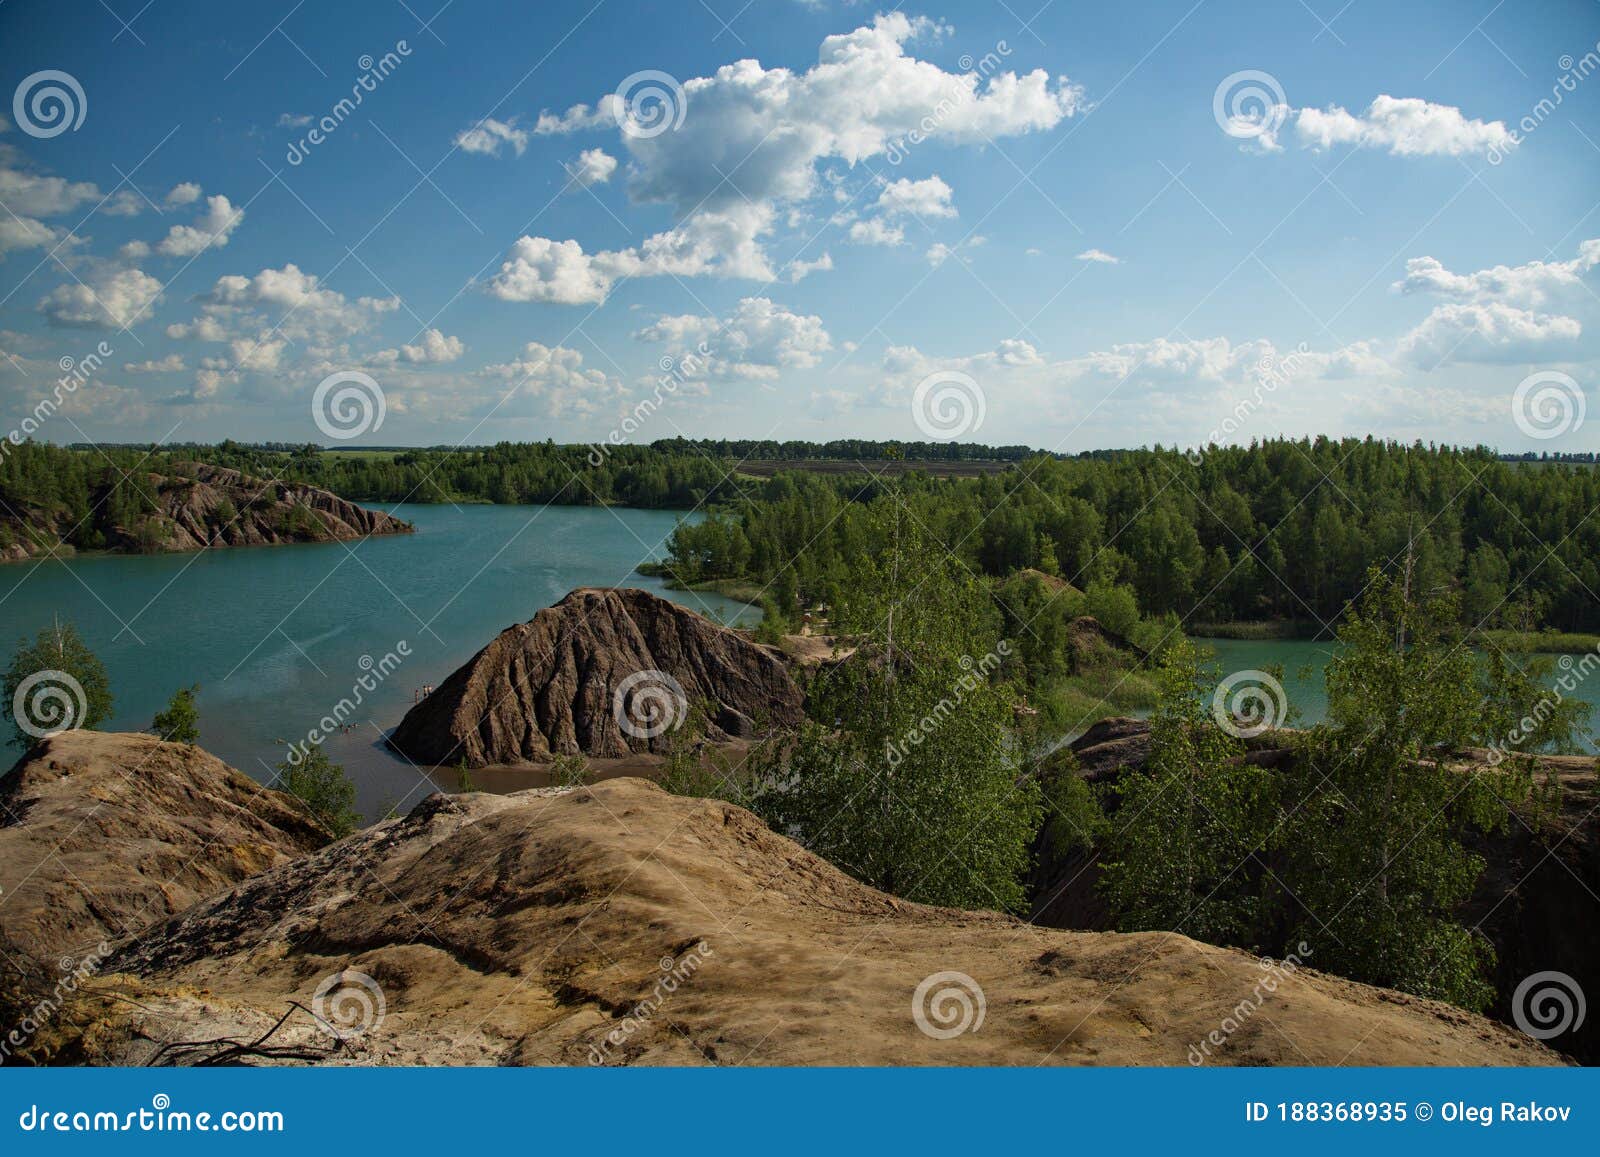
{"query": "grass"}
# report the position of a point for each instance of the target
(1077, 701)
(1540, 642)
(1256, 631)
(739, 590)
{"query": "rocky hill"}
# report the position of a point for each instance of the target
(195, 506)
(617, 924)
(603, 672)
(103, 834)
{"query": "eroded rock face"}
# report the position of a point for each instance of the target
(617, 924)
(549, 686)
(201, 505)
(102, 834)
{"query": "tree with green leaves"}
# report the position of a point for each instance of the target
(1377, 863)
(322, 785)
(906, 775)
(180, 722)
(1188, 837)
(63, 685)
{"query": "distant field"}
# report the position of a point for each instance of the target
(369, 455)
(766, 469)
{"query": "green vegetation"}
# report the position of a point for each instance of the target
(322, 785)
(905, 776)
(1357, 847)
(1278, 531)
(180, 722)
(63, 685)
(570, 771)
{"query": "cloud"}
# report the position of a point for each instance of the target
(1404, 127)
(1097, 255)
(238, 307)
(112, 298)
(1488, 332)
(435, 348)
(1532, 284)
(751, 140)
(210, 231)
(489, 136)
(539, 269)
(755, 342)
(290, 120)
(171, 364)
(33, 195)
(557, 376)
(874, 231)
(723, 242)
(925, 198)
(24, 233)
(185, 194)
(593, 167)
(798, 270)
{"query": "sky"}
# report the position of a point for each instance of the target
(1069, 226)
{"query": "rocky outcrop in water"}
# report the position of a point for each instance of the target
(196, 506)
(604, 672)
(617, 924)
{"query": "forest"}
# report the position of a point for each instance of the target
(1280, 531)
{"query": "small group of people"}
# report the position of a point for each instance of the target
(421, 693)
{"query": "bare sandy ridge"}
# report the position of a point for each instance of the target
(540, 927)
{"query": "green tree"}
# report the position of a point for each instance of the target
(322, 786)
(180, 722)
(64, 686)
(905, 776)
(1378, 862)
(1190, 832)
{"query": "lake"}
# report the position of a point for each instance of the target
(1305, 691)
(276, 636)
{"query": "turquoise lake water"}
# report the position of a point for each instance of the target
(1303, 663)
(276, 636)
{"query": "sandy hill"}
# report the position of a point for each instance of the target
(618, 924)
(103, 834)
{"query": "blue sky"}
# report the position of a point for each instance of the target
(1055, 228)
